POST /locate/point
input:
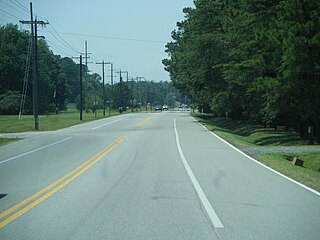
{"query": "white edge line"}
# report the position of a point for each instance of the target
(38, 149)
(203, 198)
(261, 164)
(106, 124)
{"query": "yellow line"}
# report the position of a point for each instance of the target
(139, 124)
(88, 164)
(22, 203)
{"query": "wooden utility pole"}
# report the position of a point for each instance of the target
(80, 85)
(112, 92)
(121, 100)
(103, 89)
(34, 57)
(132, 93)
(35, 80)
(81, 98)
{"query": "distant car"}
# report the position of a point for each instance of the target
(158, 108)
(165, 108)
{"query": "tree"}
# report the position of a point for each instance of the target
(256, 60)
(300, 67)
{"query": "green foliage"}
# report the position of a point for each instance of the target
(72, 75)
(52, 81)
(144, 92)
(256, 60)
(10, 102)
(13, 52)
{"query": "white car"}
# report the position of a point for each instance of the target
(165, 108)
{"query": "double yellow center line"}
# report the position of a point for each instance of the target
(139, 124)
(26, 205)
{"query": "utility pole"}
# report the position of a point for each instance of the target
(121, 102)
(81, 98)
(34, 73)
(86, 64)
(35, 83)
(104, 98)
(111, 98)
(140, 99)
(80, 85)
(105, 63)
(103, 89)
(112, 92)
(132, 93)
(86, 55)
(111, 76)
(34, 56)
(126, 92)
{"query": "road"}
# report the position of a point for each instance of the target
(146, 176)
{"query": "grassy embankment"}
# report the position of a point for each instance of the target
(11, 124)
(243, 134)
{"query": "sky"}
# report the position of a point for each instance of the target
(129, 33)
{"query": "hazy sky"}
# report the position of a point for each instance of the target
(130, 33)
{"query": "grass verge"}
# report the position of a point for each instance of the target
(4, 141)
(309, 174)
(244, 134)
(11, 124)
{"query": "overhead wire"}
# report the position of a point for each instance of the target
(53, 31)
(6, 21)
(58, 49)
(17, 10)
(62, 41)
(9, 14)
(17, 3)
(21, 9)
(113, 38)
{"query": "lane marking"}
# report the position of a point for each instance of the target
(46, 192)
(261, 164)
(203, 198)
(38, 149)
(106, 124)
(143, 121)
(29, 199)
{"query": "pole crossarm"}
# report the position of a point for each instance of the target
(41, 23)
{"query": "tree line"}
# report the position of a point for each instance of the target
(59, 81)
(251, 59)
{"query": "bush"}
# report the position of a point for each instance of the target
(10, 102)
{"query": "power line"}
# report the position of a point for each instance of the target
(59, 40)
(13, 16)
(4, 20)
(58, 49)
(25, 13)
(51, 20)
(62, 39)
(17, 3)
(63, 42)
(113, 38)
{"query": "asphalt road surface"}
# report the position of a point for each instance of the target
(146, 176)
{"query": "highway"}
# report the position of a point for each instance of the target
(146, 176)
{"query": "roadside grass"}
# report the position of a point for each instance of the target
(244, 134)
(4, 141)
(11, 124)
(309, 174)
